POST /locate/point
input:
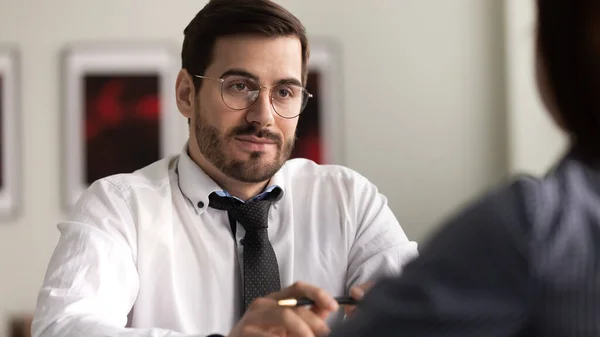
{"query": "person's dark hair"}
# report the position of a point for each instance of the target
(221, 18)
(569, 47)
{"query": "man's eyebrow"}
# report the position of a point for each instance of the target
(240, 72)
(245, 73)
(289, 80)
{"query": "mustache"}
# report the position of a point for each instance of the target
(253, 130)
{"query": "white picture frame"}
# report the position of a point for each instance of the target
(10, 184)
(83, 64)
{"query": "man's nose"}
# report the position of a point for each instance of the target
(261, 112)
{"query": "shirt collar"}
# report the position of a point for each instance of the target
(196, 185)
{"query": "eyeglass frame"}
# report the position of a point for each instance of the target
(260, 88)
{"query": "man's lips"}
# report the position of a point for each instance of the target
(257, 140)
(254, 144)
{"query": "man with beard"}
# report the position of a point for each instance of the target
(208, 241)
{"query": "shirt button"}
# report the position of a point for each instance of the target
(200, 204)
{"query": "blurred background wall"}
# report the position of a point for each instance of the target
(438, 104)
(533, 141)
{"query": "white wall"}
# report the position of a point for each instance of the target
(423, 99)
(534, 141)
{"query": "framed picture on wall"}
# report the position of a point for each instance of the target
(120, 112)
(10, 179)
(320, 127)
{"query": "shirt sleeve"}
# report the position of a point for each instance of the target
(471, 279)
(91, 281)
(380, 247)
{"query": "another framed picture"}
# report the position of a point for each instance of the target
(320, 127)
(120, 112)
(10, 180)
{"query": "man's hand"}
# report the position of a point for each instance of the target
(265, 318)
(358, 293)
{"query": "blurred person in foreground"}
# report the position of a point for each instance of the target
(525, 259)
(207, 241)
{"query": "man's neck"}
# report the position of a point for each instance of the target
(242, 190)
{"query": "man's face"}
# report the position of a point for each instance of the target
(252, 144)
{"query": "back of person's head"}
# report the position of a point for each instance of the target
(220, 18)
(569, 50)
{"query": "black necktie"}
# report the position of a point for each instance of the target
(261, 272)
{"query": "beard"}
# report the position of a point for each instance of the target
(213, 146)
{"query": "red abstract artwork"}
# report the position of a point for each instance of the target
(122, 123)
(309, 139)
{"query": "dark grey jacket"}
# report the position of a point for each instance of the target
(522, 261)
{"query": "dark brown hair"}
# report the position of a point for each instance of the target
(237, 17)
(569, 47)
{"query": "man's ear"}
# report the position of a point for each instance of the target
(185, 93)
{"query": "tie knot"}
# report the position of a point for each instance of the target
(223, 203)
(253, 214)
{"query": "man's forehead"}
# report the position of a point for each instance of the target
(260, 56)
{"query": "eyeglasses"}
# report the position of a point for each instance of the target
(240, 92)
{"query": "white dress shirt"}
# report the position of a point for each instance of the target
(142, 254)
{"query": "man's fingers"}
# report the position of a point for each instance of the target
(348, 310)
(322, 299)
(253, 331)
(269, 316)
(314, 320)
(272, 320)
(357, 293)
(323, 313)
(292, 322)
